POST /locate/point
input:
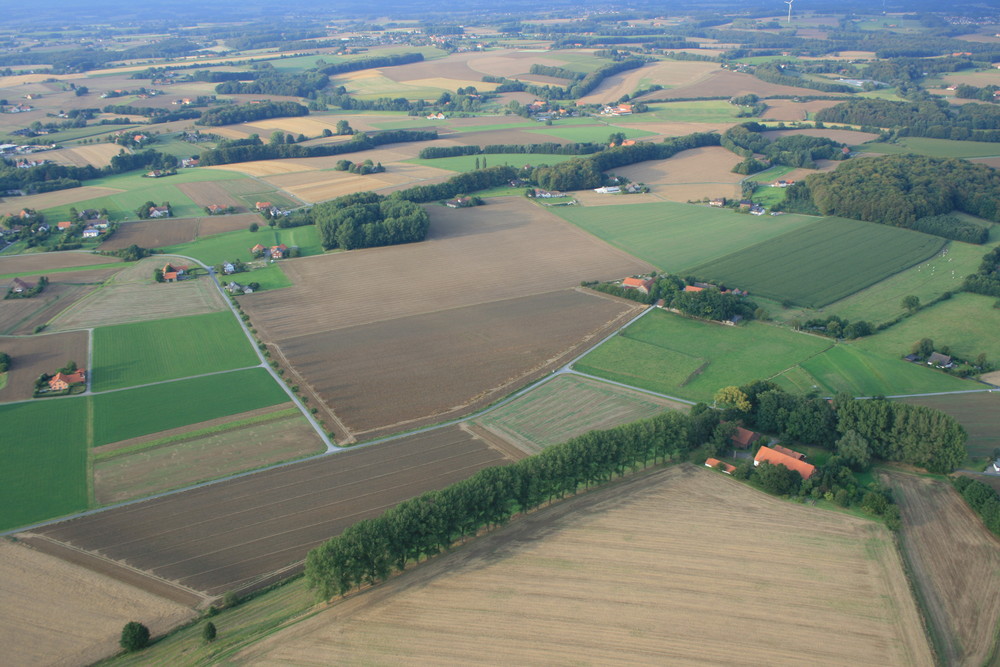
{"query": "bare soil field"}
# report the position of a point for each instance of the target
(98, 155)
(33, 355)
(458, 265)
(665, 72)
(218, 224)
(724, 83)
(61, 614)
(436, 365)
(12, 205)
(652, 570)
(21, 316)
(133, 296)
(707, 167)
(153, 233)
(989, 161)
(789, 110)
(46, 261)
(511, 63)
(207, 193)
(264, 523)
(955, 562)
(200, 459)
(848, 137)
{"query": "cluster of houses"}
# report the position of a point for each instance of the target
(631, 188)
(618, 110)
(19, 149)
(279, 251)
(269, 208)
(159, 211)
(16, 108)
(774, 454)
(234, 287)
(782, 184)
(189, 162)
(18, 286)
(94, 229)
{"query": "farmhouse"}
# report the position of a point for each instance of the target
(159, 211)
(641, 284)
(804, 469)
(91, 232)
(718, 202)
(189, 162)
(257, 250)
(19, 286)
(228, 268)
(724, 467)
(61, 381)
(214, 209)
(262, 206)
(757, 209)
(236, 288)
(743, 438)
(64, 225)
(460, 202)
(939, 360)
(279, 251)
(173, 273)
(693, 288)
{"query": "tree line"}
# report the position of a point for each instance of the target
(573, 91)
(372, 62)
(787, 75)
(547, 148)
(274, 82)
(926, 117)
(50, 177)
(794, 150)
(983, 499)
(256, 149)
(245, 113)
(904, 191)
(711, 303)
(986, 279)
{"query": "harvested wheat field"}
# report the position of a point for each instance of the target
(265, 523)
(452, 68)
(955, 562)
(311, 126)
(505, 249)
(707, 167)
(668, 73)
(45, 200)
(61, 614)
(33, 355)
(219, 224)
(513, 62)
(404, 372)
(98, 155)
(47, 261)
(316, 186)
(676, 566)
(207, 193)
(133, 296)
(725, 83)
(789, 110)
(153, 233)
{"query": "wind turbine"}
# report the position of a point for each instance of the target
(789, 3)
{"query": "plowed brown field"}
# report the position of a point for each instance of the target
(956, 564)
(693, 174)
(160, 233)
(33, 355)
(266, 522)
(672, 567)
(55, 613)
(21, 316)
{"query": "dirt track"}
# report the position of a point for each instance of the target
(228, 536)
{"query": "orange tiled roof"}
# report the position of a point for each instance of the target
(777, 458)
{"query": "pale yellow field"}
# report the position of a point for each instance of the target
(450, 84)
(55, 613)
(98, 155)
(57, 198)
(682, 566)
(666, 73)
(309, 126)
(707, 165)
(315, 186)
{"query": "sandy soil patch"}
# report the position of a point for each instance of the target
(724, 83)
(849, 137)
(33, 355)
(268, 521)
(45, 200)
(789, 110)
(60, 614)
(955, 562)
(98, 155)
(641, 572)
(666, 73)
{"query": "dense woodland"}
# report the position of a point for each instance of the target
(244, 113)
(366, 219)
(748, 140)
(986, 280)
(925, 118)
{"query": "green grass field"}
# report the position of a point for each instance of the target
(674, 237)
(595, 133)
(465, 163)
(966, 323)
(820, 263)
(68, 269)
(127, 355)
(934, 147)
(121, 415)
(44, 451)
(662, 350)
(270, 277)
(228, 246)
(697, 111)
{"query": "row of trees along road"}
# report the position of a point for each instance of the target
(372, 549)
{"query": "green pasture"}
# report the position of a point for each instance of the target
(820, 263)
(139, 353)
(228, 246)
(675, 237)
(76, 133)
(594, 133)
(662, 351)
(270, 277)
(978, 413)
(378, 85)
(182, 149)
(934, 147)
(968, 324)
(67, 269)
(697, 111)
(121, 415)
(768, 197)
(465, 163)
(44, 451)
(944, 272)
(578, 62)
(770, 175)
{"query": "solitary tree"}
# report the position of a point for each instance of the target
(911, 303)
(208, 632)
(135, 636)
(732, 397)
(254, 226)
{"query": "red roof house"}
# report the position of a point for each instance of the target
(724, 467)
(64, 225)
(777, 458)
(641, 284)
(257, 249)
(692, 288)
(789, 452)
(279, 251)
(743, 438)
(262, 205)
(61, 381)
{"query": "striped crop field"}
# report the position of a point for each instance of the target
(822, 262)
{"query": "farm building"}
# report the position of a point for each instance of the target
(608, 190)
(460, 202)
(214, 209)
(720, 465)
(159, 211)
(718, 202)
(61, 381)
(744, 438)
(279, 251)
(64, 225)
(18, 286)
(173, 273)
(804, 469)
(789, 452)
(91, 232)
(939, 360)
(258, 250)
(262, 206)
(641, 284)
(693, 288)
